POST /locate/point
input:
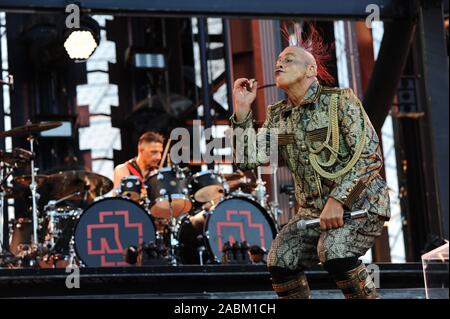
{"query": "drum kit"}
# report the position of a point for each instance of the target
(192, 216)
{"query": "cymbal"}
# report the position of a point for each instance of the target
(18, 157)
(233, 176)
(243, 183)
(90, 185)
(25, 180)
(29, 128)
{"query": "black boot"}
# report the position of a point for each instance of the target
(296, 287)
(356, 283)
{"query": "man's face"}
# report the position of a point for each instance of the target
(151, 153)
(290, 68)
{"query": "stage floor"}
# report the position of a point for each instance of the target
(406, 293)
(194, 282)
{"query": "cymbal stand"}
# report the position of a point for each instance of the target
(52, 203)
(5, 172)
(34, 194)
(260, 190)
(274, 205)
(173, 240)
(2, 202)
(72, 254)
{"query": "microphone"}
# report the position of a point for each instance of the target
(310, 223)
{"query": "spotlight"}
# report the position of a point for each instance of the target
(81, 42)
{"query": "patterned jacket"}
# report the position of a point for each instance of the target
(323, 144)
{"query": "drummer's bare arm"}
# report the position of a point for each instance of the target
(120, 172)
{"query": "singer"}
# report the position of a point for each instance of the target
(332, 150)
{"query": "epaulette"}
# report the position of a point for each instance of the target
(331, 90)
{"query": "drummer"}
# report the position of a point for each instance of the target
(150, 149)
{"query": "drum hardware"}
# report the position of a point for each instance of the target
(173, 241)
(240, 193)
(34, 193)
(72, 254)
(260, 190)
(27, 131)
(131, 255)
(52, 203)
(290, 191)
(236, 253)
(5, 172)
(274, 205)
(149, 254)
(200, 249)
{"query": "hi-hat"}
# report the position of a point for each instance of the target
(29, 128)
(18, 157)
(89, 185)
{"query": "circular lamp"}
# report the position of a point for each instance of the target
(80, 43)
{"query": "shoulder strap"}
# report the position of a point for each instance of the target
(134, 169)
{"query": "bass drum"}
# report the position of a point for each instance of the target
(233, 219)
(107, 227)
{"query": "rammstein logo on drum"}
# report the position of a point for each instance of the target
(107, 228)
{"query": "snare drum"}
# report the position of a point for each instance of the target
(168, 190)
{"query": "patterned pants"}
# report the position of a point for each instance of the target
(298, 249)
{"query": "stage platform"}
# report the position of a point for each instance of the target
(196, 282)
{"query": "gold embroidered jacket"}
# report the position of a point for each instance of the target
(330, 147)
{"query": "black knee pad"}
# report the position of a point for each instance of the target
(280, 274)
(341, 265)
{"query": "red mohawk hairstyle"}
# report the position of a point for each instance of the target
(311, 41)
